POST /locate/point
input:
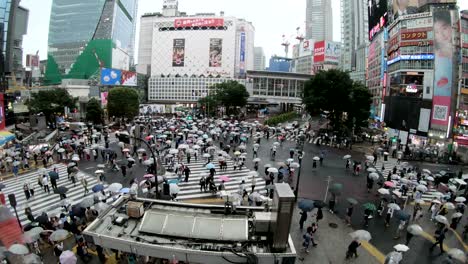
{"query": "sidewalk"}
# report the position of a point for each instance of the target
(332, 242)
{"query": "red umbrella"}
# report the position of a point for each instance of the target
(149, 137)
(389, 184)
(224, 178)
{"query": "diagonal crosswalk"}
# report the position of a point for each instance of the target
(191, 189)
(42, 201)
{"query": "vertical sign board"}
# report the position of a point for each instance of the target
(178, 53)
(242, 53)
(216, 52)
(443, 80)
(2, 112)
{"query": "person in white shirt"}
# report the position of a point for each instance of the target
(45, 183)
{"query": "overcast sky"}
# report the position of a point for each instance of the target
(271, 18)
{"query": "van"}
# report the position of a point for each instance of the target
(78, 126)
(457, 185)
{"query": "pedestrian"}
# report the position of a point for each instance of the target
(58, 249)
(454, 222)
(349, 213)
(202, 184)
(254, 181)
(82, 250)
(73, 178)
(388, 216)
(307, 239)
(440, 237)
(26, 191)
(331, 203)
(321, 158)
(409, 236)
(319, 215)
(400, 228)
(367, 216)
(84, 182)
(352, 249)
(53, 182)
(348, 163)
(123, 168)
(187, 173)
(242, 190)
(370, 184)
(95, 155)
(45, 183)
(100, 253)
(314, 164)
(302, 219)
(221, 186)
(434, 210)
(417, 212)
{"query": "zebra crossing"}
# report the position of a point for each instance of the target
(42, 201)
(191, 189)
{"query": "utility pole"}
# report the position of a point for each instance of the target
(328, 186)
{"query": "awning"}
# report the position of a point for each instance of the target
(6, 137)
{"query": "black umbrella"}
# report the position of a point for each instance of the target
(61, 190)
(2, 186)
(30, 226)
(78, 211)
(319, 204)
(54, 175)
(42, 219)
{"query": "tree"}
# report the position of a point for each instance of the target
(122, 102)
(231, 94)
(94, 112)
(50, 103)
(209, 104)
(334, 93)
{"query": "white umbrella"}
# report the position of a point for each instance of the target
(256, 160)
(31, 259)
(347, 156)
(415, 229)
(421, 188)
(76, 158)
(429, 178)
(33, 234)
(101, 166)
(253, 173)
(401, 248)
(99, 172)
(148, 162)
(395, 177)
(114, 187)
(67, 257)
(267, 165)
(374, 176)
(383, 191)
(460, 199)
(394, 206)
(295, 165)
(457, 215)
(59, 235)
(441, 219)
(141, 150)
(206, 155)
(18, 249)
(457, 254)
(273, 170)
(174, 188)
(370, 158)
(131, 159)
(173, 151)
(316, 158)
(449, 206)
(426, 171)
(60, 150)
(423, 182)
(371, 170)
(361, 235)
(100, 207)
(121, 144)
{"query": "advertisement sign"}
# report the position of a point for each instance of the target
(404, 7)
(333, 52)
(110, 76)
(411, 57)
(319, 51)
(128, 78)
(420, 43)
(32, 60)
(242, 53)
(443, 49)
(178, 54)
(412, 35)
(199, 22)
(377, 12)
(306, 47)
(2, 112)
(104, 98)
(216, 52)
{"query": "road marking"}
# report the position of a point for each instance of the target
(433, 240)
(459, 238)
(89, 168)
(373, 251)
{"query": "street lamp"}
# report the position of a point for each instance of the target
(301, 149)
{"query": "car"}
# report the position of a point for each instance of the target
(458, 186)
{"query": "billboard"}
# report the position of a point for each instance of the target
(2, 112)
(332, 52)
(216, 52)
(242, 53)
(128, 78)
(104, 98)
(110, 76)
(178, 53)
(306, 47)
(199, 22)
(443, 81)
(32, 60)
(378, 17)
(403, 7)
(319, 51)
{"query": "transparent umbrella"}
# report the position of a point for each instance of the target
(415, 229)
(362, 235)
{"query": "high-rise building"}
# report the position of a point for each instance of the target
(89, 34)
(279, 64)
(259, 59)
(319, 22)
(13, 25)
(354, 36)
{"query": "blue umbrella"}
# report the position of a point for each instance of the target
(2, 186)
(53, 175)
(402, 215)
(173, 181)
(125, 190)
(98, 188)
(306, 205)
(210, 166)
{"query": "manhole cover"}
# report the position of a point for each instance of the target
(332, 225)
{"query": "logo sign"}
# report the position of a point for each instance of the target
(411, 88)
(319, 51)
(199, 22)
(411, 57)
(414, 35)
(242, 53)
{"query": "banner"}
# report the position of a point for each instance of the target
(104, 98)
(443, 81)
(319, 51)
(216, 52)
(242, 53)
(110, 76)
(178, 55)
(129, 78)
(199, 22)
(2, 112)
(333, 52)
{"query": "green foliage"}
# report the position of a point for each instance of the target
(231, 94)
(281, 118)
(123, 102)
(50, 103)
(209, 104)
(335, 92)
(94, 112)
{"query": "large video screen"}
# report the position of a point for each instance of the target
(378, 16)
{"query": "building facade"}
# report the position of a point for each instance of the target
(354, 27)
(319, 20)
(460, 131)
(259, 59)
(279, 64)
(326, 55)
(302, 59)
(171, 52)
(88, 35)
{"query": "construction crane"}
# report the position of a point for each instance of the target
(286, 44)
(299, 34)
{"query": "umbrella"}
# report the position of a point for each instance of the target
(273, 170)
(141, 150)
(442, 172)
(76, 158)
(237, 153)
(210, 166)
(319, 204)
(361, 235)
(457, 215)
(336, 188)
(430, 178)
(316, 158)
(401, 248)
(124, 190)
(370, 158)
(99, 172)
(436, 201)
(61, 150)
(87, 202)
(281, 164)
(18, 249)
(306, 205)
(206, 155)
(369, 206)
(148, 176)
(457, 254)
(148, 162)
(42, 219)
(459, 199)
(59, 235)
(101, 166)
(347, 156)
(294, 165)
(33, 234)
(395, 177)
(371, 170)
(253, 173)
(441, 219)
(101, 207)
(389, 184)
(374, 176)
(402, 215)
(61, 190)
(125, 150)
(394, 206)
(267, 165)
(224, 178)
(53, 175)
(419, 201)
(352, 200)
(98, 188)
(415, 229)
(383, 191)
(114, 187)
(276, 143)
(71, 164)
(176, 181)
(131, 159)
(67, 257)
(173, 151)
(421, 188)
(423, 182)
(449, 206)
(31, 259)
(256, 160)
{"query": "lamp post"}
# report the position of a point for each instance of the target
(301, 149)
